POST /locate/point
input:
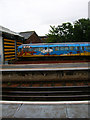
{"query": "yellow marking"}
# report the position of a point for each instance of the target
(9, 43)
(9, 49)
(9, 46)
(9, 40)
(9, 56)
(19, 43)
(9, 59)
(8, 52)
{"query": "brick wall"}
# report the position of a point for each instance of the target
(34, 38)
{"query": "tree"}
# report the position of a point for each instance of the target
(82, 30)
(67, 32)
(53, 35)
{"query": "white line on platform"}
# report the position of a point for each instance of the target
(45, 69)
(46, 103)
(43, 64)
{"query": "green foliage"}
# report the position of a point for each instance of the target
(67, 32)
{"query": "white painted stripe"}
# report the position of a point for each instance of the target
(45, 69)
(47, 103)
(46, 64)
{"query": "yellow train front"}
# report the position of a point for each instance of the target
(61, 50)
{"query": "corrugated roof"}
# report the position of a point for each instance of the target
(6, 30)
(26, 34)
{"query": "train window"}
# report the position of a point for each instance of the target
(23, 49)
(71, 48)
(56, 48)
(45, 48)
(66, 48)
(77, 48)
(36, 49)
(40, 49)
(30, 49)
(27, 49)
(20, 49)
(61, 48)
(82, 47)
(87, 47)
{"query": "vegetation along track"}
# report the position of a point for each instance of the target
(64, 93)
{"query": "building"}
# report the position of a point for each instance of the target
(9, 42)
(89, 9)
(43, 39)
(30, 37)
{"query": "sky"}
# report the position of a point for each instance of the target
(38, 15)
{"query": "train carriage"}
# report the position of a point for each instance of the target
(54, 49)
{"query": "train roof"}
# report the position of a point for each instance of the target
(56, 44)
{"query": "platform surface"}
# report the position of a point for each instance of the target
(46, 67)
(45, 110)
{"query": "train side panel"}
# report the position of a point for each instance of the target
(54, 50)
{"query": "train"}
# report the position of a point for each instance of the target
(54, 49)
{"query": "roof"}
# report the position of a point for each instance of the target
(6, 30)
(27, 34)
(56, 44)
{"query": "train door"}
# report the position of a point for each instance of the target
(87, 50)
(82, 50)
(78, 50)
(50, 50)
(72, 50)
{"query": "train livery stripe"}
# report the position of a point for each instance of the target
(79, 54)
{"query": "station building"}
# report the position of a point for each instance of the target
(30, 37)
(9, 42)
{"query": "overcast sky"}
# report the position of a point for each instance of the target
(38, 15)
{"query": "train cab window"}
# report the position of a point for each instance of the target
(71, 48)
(30, 49)
(66, 48)
(23, 49)
(61, 48)
(20, 49)
(87, 47)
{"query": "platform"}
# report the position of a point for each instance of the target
(79, 109)
(46, 67)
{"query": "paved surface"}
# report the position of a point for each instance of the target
(33, 67)
(44, 110)
(62, 65)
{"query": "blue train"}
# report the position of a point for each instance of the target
(54, 49)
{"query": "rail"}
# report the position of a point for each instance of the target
(66, 93)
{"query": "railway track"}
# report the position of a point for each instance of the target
(47, 83)
(65, 93)
(50, 61)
